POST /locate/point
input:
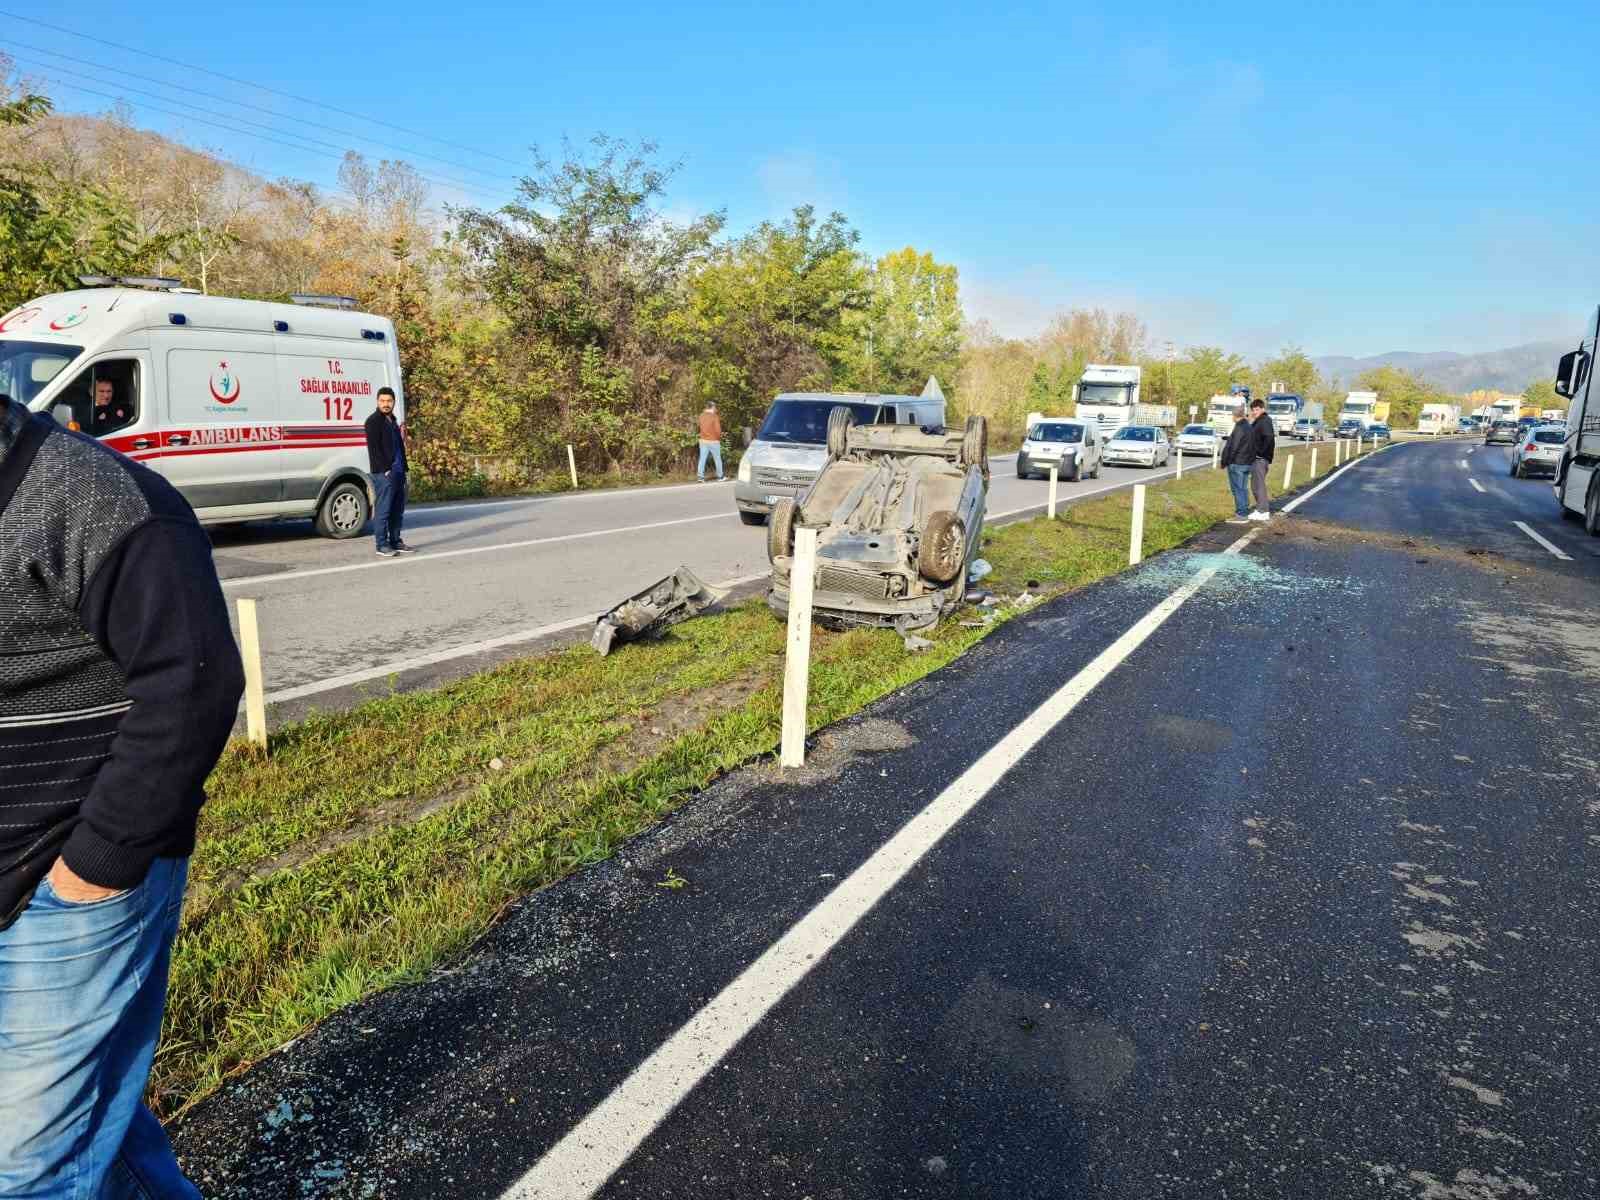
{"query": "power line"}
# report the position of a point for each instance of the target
(77, 87)
(261, 108)
(442, 181)
(259, 87)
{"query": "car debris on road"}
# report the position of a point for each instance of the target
(664, 603)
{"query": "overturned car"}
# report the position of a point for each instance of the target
(898, 512)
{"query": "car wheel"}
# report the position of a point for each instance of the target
(943, 548)
(840, 422)
(975, 444)
(1591, 509)
(780, 527)
(1516, 471)
(1077, 472)
(750, 518)
(344, 511)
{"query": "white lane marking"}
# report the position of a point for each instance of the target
(390, 564)
(1465, 465)
(593, 1150)
(1545, 542)
(384, 670)
(1479, 486)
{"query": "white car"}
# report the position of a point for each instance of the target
(1066, 443)
(1139, 446)
(1199, 439)
(1538, 449)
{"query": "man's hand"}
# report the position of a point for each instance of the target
(74, 889)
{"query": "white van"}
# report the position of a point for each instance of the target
(249, 408)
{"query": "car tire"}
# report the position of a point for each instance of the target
(750, 518)
(780, 529)
(943, 550)
(1591, 509)
(1516, 471)
(344, 511)
(840, 422)
(975, 444)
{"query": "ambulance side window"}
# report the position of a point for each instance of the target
(122, 407)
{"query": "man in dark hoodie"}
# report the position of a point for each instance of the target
(1266, 437)
(1237, 455)
(120, 686)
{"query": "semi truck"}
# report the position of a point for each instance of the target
(1365, 409)
(1108, 395)
(1285, 408)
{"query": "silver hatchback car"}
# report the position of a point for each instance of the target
(1538, 451)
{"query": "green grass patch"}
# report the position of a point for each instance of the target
(372, 844)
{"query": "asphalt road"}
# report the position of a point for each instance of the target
(496, 579)
(1269, 874)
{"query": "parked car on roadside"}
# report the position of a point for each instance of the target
(1501, 431)
(898, 511)
(1538, 451)
(1199, 439)
(1072, 446)
(1139, 446)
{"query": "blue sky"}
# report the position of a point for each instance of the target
(1371, 178)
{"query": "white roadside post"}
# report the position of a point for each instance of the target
(255, 697)
(1178, 453)
(1136, 534)
(797, 660)
(1313, 462)
(1216, 451)
(572, 465)
(1288, 471)
(1052, 506)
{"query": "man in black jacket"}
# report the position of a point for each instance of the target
(386, 456)
(1266, 437)
(119, 687)
(1237, 455)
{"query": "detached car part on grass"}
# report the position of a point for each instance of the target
(649, 613)
(898, 512)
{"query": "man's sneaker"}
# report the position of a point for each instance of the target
(1259, 515)
(402, 548)
(1238, 520)
(385, 552)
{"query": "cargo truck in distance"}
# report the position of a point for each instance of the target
(1578, 476)
(1364, 408)
(1108, 395)
(1285, 409)
(1439, 418)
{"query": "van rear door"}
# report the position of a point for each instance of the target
(221, 445)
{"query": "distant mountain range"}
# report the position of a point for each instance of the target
(1509, 370)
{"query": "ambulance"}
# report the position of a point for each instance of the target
(251, 409)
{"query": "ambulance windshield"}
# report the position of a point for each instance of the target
(26, 368)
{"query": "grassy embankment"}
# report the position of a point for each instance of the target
(374, 843)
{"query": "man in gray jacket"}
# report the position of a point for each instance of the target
(119, 685)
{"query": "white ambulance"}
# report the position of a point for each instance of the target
(251, 409)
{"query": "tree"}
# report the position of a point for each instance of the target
(1296, 372)
(911, 328)
(1203, 372)
(776, 310)
(1541, 393)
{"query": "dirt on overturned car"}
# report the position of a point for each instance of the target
(898, 512)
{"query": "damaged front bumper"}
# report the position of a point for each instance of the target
(664, 603)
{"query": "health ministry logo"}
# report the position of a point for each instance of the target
(225, 386)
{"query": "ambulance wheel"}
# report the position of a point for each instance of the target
(344, 511)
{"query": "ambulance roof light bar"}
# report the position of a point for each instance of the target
(314, 301)
(155, 283)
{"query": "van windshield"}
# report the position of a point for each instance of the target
(26, 368)
(806, 421)
(1056, 433)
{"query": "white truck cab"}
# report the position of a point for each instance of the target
(251, 409)
(1577, 482)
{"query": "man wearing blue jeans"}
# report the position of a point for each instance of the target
(120, 689)
(1237, 457)
(386, 456)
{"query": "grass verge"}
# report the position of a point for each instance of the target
(373, 844)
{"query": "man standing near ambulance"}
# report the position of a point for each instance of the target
(120, 688)
(386, 454)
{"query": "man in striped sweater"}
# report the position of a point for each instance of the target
(119, 682)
